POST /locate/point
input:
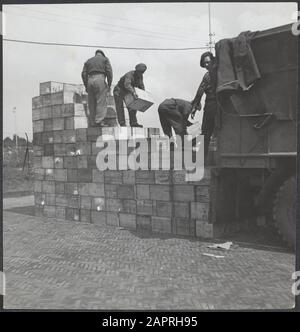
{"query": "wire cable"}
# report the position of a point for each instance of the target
(107, 47)
(87, 12)
(98, 28)
(107, 24)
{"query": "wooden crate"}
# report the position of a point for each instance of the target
(50, 87)
(161, 225)
(141, 104)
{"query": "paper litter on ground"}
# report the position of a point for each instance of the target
(212, 255)
(225, 246)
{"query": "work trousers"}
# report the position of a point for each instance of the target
(97, 98)
(170, 117)
(208, 123)
(119, 102)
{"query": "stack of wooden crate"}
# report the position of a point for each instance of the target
(68, 184)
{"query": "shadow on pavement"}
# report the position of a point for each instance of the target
(27, 210)
(13, 194)
(252, 239)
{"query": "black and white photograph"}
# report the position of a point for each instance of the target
(149, 156)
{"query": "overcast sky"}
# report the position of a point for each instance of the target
(170, 73)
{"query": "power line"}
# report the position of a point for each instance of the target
(122, 18)
(107, 24)
(94, 27)
(90, 27)
(107, 47)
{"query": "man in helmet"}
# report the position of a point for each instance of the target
(94, 73)
(126, 85)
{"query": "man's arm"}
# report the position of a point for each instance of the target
(141, 84)
(109, 73)
(202, 87)
(185, 108)
(128, 83)
(196, 103)
(197, 100)
(84, 75)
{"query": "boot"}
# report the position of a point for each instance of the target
(103, 123)
(133, 120)
(136, 125)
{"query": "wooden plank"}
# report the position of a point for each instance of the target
(98, 203)
(144, 207)
(164, 209)
(60, 212)
(49, 211)
(129, 206)
(200, 211)
(112, 219)
(59, 188)
(145, 177)
(182, 209)
(126, 191)
(86, 202)
(184, 193)
(85, 215)
(143, 222)
(128, 220)
(38, 126)
(160, 192)
(47, 162)
(49, 174)
(58, 124)
(84, 175)
(162, 177)
(61, 200)
(72, 214)
(143, 191)
(98, 218)
(161, 224)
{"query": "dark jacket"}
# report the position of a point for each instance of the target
(237, 68)
(206, 87)
(97, 64)
(131, 80)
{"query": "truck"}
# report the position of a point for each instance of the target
(254, 172)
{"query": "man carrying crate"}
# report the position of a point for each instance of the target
(126, 85)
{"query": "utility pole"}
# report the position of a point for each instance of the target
(16, 132)
(210, 34)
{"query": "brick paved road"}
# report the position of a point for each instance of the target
(53, 264)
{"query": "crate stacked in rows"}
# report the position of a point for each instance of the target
(69, 185)
(62, 106)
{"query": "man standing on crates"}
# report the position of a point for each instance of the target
(174, 113)
(210, 107)
(126, 85)
(94, 73)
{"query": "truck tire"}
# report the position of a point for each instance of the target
(284, 211)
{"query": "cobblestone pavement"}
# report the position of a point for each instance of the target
(54, 264)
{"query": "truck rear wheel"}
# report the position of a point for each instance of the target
(284, 211)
